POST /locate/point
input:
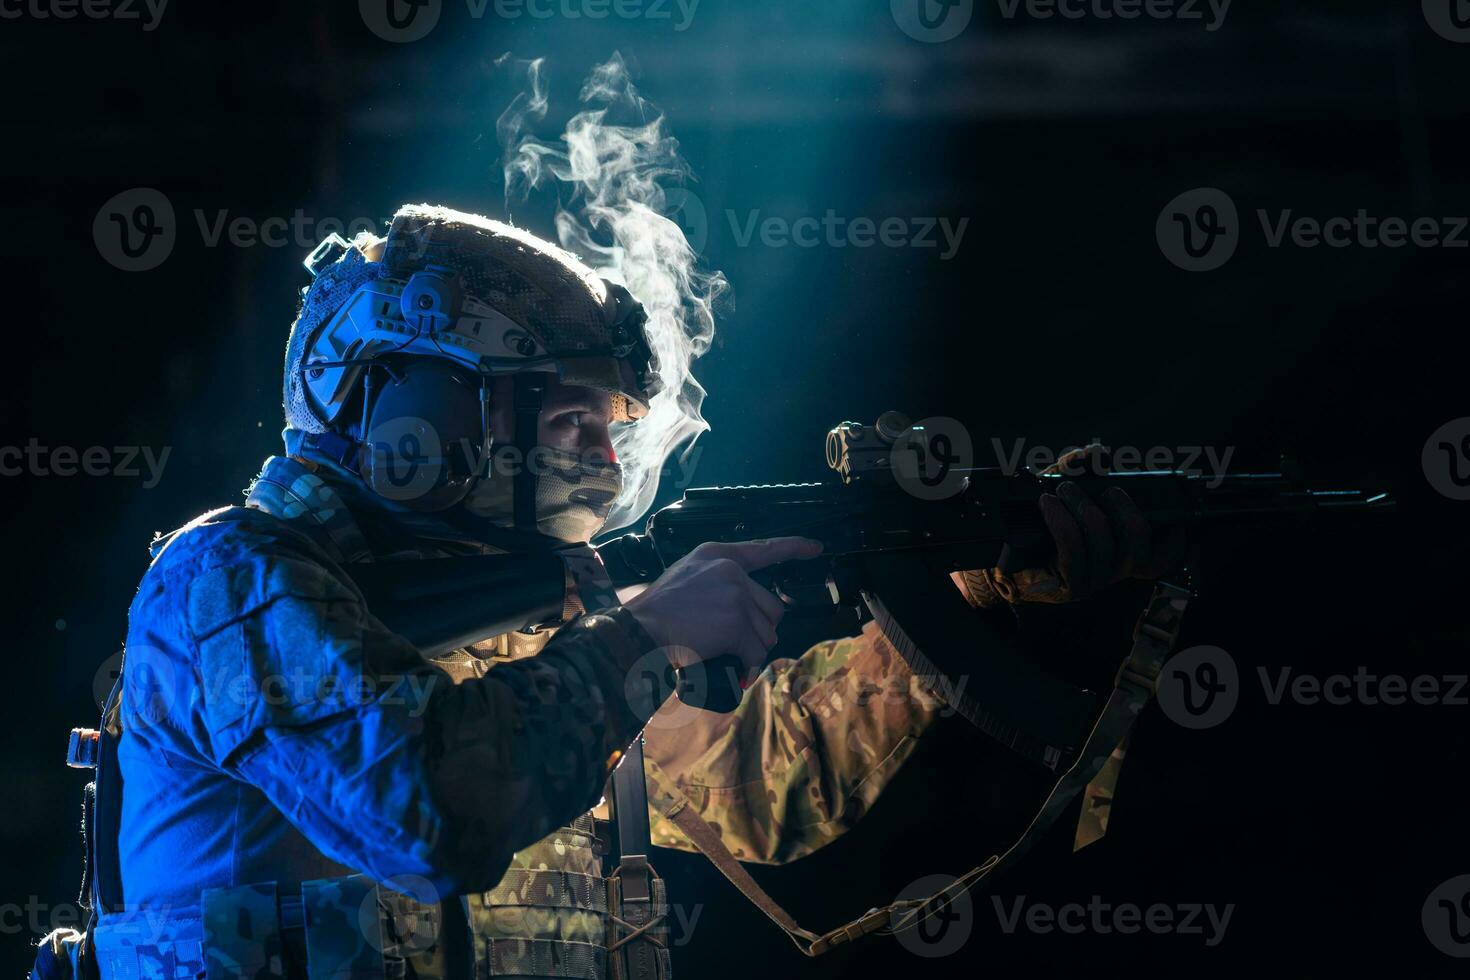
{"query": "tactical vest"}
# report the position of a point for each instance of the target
(553, 914)
(559, 910)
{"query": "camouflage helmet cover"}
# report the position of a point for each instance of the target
(591, 329)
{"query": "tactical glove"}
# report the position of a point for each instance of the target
(1097, 543)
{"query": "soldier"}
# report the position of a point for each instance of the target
(281, 750)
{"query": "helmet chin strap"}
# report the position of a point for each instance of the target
(530, 392)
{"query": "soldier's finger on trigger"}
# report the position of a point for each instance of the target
(1097, 531)
(755, 555)
(1066, 534)
(1131, 532)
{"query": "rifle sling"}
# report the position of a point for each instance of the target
(1153, 638)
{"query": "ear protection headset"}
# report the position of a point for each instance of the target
(424, 353)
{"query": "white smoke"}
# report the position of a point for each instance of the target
(615, 219)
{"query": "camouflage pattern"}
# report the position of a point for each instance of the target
(804, 756)
(344, 928)
(550, 294)
(1095, 771)
(986, 588)
(293, 491)
(548, 915)
(813, 744)
(242, 932)
(1097, 799)
(622, 962)
(134, 950)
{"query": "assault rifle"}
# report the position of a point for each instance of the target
(900, 517)
(896, 519)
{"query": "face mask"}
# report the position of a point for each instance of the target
(574, 492)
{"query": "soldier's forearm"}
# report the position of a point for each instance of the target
(809, 749)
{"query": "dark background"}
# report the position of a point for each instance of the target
(1059, 319)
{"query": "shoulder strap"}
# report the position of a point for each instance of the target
(103, 811)
(1153, 638)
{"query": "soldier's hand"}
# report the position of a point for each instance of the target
(1098, 542)
(706, 605)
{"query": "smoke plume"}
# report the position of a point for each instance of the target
(612, 163)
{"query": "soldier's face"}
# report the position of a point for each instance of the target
(573, 418)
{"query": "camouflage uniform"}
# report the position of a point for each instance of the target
(237, 776)
(807, 752)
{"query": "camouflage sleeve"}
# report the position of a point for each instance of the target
(373, 753)
(812, 745)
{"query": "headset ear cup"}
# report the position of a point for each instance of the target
(423, 436)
